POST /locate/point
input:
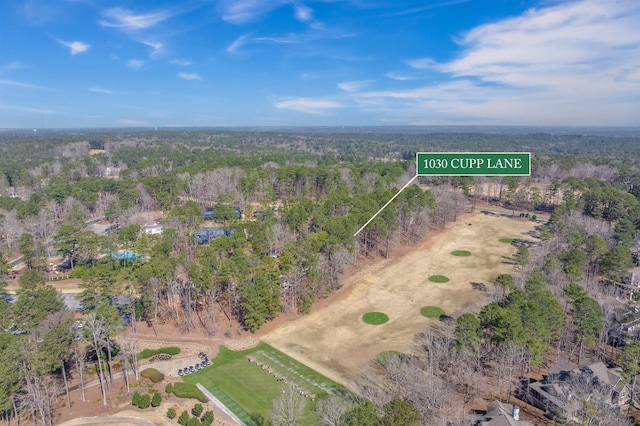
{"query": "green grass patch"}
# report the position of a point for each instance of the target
(507, 240)
(385, 357)
(148, 353)
(375, 318)
(462, 253)
(438, 279)
(152, 374)
(188, 390)
(249, 389)
(432, 312)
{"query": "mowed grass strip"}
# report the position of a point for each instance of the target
(375, 318)
(233, 406)
(432, 312)
(461, 253)
(252, 388)
(438, 279)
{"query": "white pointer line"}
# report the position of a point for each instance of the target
(388, 202)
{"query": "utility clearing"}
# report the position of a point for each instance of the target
(336, 342)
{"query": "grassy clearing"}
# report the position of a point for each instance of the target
(432, 312)
(438, 279)
(249, 387)
(507, 240)
(148, 353)
(462, 253)
(375, 318)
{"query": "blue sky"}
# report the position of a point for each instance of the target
(105, 63)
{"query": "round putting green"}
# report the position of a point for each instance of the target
(507, 240)
(375, 318)
(438, 279)
(432, 312)
(462, 253)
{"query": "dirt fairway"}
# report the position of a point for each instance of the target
(336, 342)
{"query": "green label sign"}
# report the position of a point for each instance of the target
(473, 163)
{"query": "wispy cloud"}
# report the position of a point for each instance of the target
(75, 46)
(243, 11)
(310, 106)
(101, 90)
(355, 86)
(428, 7)
(238, 43)
(27, 109)
(12, 66)
(133, 123)
(127, 20)
(247, 39)
(156, 46)
(402, 76)
(20, 84)
(302, 12)
(570, 63)
(180, 62)
(135, 64)
(188, 76)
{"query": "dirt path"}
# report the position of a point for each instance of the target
(336, 342)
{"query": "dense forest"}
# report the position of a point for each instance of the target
(281, 211)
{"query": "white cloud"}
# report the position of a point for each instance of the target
(20, 84)
(354, 86)
(180, 62)
(156, 46)
(573, 63)
(402, 77)
(27, 109)
(12, 66)
(188, 76)
(101, 90)
(75, 46)
(126, 20)
(302, 12)
(310, 106)
(238, 43)
(133, 123)
(135, 64)
(244, 11)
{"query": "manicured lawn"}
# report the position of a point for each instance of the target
(249, 388)
(438, 279)
(375, 318)
(462, 253)
(507, 240)
(432, 312)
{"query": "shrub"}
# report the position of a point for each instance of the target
(197, 410)
(169, 388)
(188, 390)
(152, 374)
(135, 401)
(184, 418)
(156, 400)
(148, 353)
(207, 418)
(145, 401)
(194, 421)
(171, 413)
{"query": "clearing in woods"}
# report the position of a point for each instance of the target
(337, 343)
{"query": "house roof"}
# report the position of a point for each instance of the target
(499, 414)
